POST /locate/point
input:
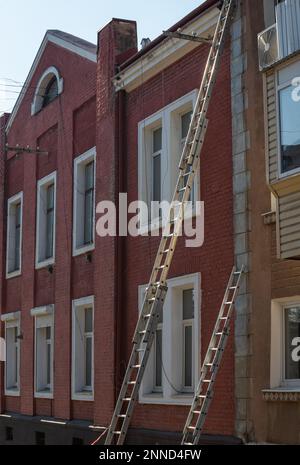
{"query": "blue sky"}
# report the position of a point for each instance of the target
(23, 25)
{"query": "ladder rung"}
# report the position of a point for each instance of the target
(229, 303)
(192, 428)
(162, 267)
(219, 334)
(232, 288)
(206, 381)
(197, 412)
(223, 317)
(117, 432)
(143, 332)
(140, 350)
(136, 366)
(126, 399)
(214, 348)
(122, 416)
(209, 364)
(131, 382)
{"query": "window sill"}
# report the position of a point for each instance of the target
(44, 263)
(13, 274)
(43, 395)
(83, 250)
(156, 226)
(12, 392)
(282, 394)
(158, 398)
(83, 395)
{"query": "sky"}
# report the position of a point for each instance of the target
(23, 25)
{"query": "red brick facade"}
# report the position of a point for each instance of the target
(90, 113)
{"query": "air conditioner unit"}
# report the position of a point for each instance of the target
(268, 52)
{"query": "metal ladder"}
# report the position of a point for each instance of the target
(157, 288)
(204, 392)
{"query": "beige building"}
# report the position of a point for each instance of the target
(266, 134)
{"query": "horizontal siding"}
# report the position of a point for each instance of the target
(289, 225)
(272, 141)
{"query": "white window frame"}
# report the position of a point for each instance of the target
(12, 320)
(169, 118)
(82, 161)
(43, 318)
(49, 73)
(78, 356)
(172, 350)
(284, 77)
(11, 203)
(277, 362)
(42, 186)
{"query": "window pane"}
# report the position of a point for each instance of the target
(157, 140)
(188, 304)
(156, 178)
(51, 92)
(88, 361)
(158, 358)
(88, 318)
(18, 214)
(48, 332)
(48, 371)
(188, 356)
(292, 343)
(89, 203)
(185, 124)
(50, 197)
(49, 233)
(89, 176)
(289, 130)
(17, 248)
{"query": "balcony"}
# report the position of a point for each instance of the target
(283, 38)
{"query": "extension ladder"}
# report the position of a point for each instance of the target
(157, 287)
(204, 392)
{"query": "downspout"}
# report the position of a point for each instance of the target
(120, 241)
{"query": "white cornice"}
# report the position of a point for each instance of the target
(49, 37)
(165, 53)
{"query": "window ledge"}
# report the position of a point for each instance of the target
(13, 274)
(269, 217)
(83, 395)
(282, 394)
(12, 392)
(157, 398)
(44, 263)
(43, 395)
(82, 250)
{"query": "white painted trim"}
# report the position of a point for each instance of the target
(277, 355)
(37, 103)
(12, 319)
(11, 202)
(42, 313)
(168, 396)
(49, 37)
(166, 52)
(84, 159)
(11, 316)
(166, 118)
(47, 180)
(81, 395)
(278, 88)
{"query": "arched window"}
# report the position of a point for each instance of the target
(51, 92)
(49, 87)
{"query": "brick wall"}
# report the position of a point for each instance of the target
(215, 259)
(65, 128)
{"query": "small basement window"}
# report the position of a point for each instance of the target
(40, 438)
(9, 433)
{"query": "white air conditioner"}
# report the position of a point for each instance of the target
(268, 52)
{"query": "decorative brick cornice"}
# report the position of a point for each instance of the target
(281, 396)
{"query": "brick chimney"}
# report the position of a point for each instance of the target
(116, 43)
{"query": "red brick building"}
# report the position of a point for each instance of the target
(69, 298)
